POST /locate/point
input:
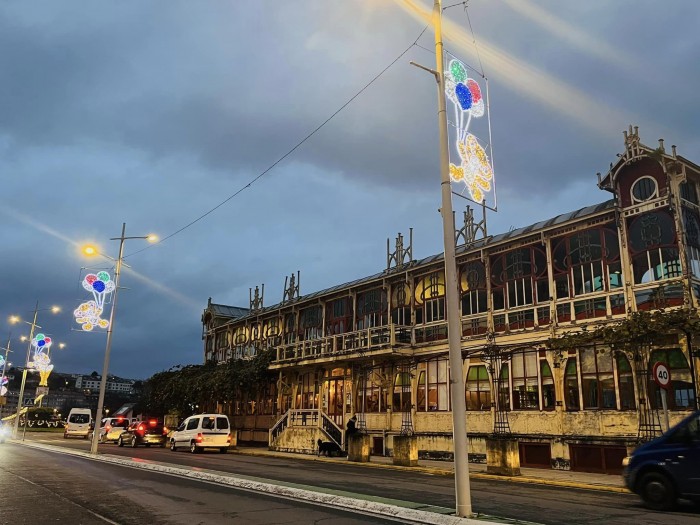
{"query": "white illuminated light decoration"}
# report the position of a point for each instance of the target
(3, 379)
(41, 362)
(89, 313)
(474, 170)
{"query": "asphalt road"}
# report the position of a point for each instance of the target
(38, 487)
(537, 503)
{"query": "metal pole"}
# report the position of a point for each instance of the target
(110, 330)
(24, 374)
(664, 405)
(463, 502)
(4, 366)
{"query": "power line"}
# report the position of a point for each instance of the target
(292, 150)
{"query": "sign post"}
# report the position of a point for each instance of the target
(662, 377)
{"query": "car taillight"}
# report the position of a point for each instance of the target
(152, 422)
(199, 438)
(108, 428)
(165, 430)
(141, 428)
(228, 439)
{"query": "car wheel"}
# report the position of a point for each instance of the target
(120, 442)
(657, 491)
(193, 448)
(172, 445)
(133, 442)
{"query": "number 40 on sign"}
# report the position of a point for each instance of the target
(662, 376)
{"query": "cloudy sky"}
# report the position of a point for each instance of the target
(153, 112)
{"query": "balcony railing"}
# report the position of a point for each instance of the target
(343, 344)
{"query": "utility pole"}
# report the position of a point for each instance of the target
(20, 400)
(454, 330)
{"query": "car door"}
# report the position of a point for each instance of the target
(190, 430)
(689, 467)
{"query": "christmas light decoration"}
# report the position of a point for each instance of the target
(3, 385)
(89, 313)
(474, 169)
(41, 362)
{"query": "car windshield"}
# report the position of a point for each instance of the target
(222, 423)
(80, 419)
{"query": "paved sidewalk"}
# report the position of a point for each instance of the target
(562, 478)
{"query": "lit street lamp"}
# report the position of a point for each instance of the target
(92, 251)
(14, 319)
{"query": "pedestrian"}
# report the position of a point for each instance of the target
(351, 428)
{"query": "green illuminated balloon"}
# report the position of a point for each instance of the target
(39, 337)
(459, 73)
(103, 276)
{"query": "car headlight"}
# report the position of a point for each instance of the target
(626, 461)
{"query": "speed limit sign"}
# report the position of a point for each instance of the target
(662, 376)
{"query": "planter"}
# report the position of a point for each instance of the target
(359, 447)
(405, 451)
(502, 456)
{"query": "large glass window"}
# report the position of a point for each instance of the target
(653, 247)
(691, 222)
(430, 298)
(504, 388)
(311, 320)
(597, 380)
(587, 262)
(400, 304)
(680, 393)
(472, 283)
(478, 388)
(338, 316)
(547, 384)
(307, 391)
(374, 396)
(519, 278)
(525, 381)
(290, 328)
(401, 401)
(438, 398)
(571, 396)
(625, 383)
(371, 309)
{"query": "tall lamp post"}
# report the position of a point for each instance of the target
(5, 364)
(15, 319)
(463, 504)
(91, 250)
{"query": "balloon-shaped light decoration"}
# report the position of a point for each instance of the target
(89, 314)
(3, 385)
(42, 362)
(474, 168)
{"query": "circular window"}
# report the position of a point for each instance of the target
(644, 189)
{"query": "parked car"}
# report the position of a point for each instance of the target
(79, 423)
(150, 432)
(202, 431)
(111, 429)
(668, 467)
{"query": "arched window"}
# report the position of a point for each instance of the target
(571, 397)
(339, 316)
(371, 309)
(430, 298)
(504, 389)
(472, 283)
(401, 401)
(586, 262)
(400, 304)
(680, 392)
(478, 390)
(597, 380)
(525, 382)
(438, 397)
(311, 320)
(420, 392)
(653, 247)
(625, 383)
(549, 397)
(375, 397)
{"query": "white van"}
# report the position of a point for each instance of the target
(202, 431)
(78, 423)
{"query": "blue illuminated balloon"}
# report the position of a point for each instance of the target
(40, 343)
(98, 286)
(464, 96)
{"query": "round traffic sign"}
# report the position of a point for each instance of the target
(661, 374)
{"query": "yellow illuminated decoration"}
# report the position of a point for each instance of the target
(400, 295)
(430, 287)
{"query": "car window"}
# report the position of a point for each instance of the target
(208, 423)
(121, 424)
(192, 423)
(222, 423)
(79, 419)
(694, 429)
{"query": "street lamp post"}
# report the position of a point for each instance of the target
(463, 503)
(89, 250)
(5, 364)
(15, 319)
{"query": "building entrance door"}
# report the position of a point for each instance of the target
(334, 388)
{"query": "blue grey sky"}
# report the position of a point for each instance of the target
(152, 112)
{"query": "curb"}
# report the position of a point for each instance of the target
(378, 509)
(446, 472)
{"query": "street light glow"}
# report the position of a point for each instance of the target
(14, 319)
(89, 250)
(152, 238)
(61, 346)
(55, 309)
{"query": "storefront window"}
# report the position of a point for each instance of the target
(478, 389)
(625, 383)
(571, 397)
(548, 393)
(597, 379)
(680, 393)
(525, 382)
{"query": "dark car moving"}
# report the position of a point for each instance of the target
(150, 432)
(668, 467)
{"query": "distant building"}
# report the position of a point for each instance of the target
(114, 384)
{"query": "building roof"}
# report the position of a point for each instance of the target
(490, 241)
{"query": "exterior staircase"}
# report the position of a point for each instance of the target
(299, 431)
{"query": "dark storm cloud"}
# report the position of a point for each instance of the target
(153, 112)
